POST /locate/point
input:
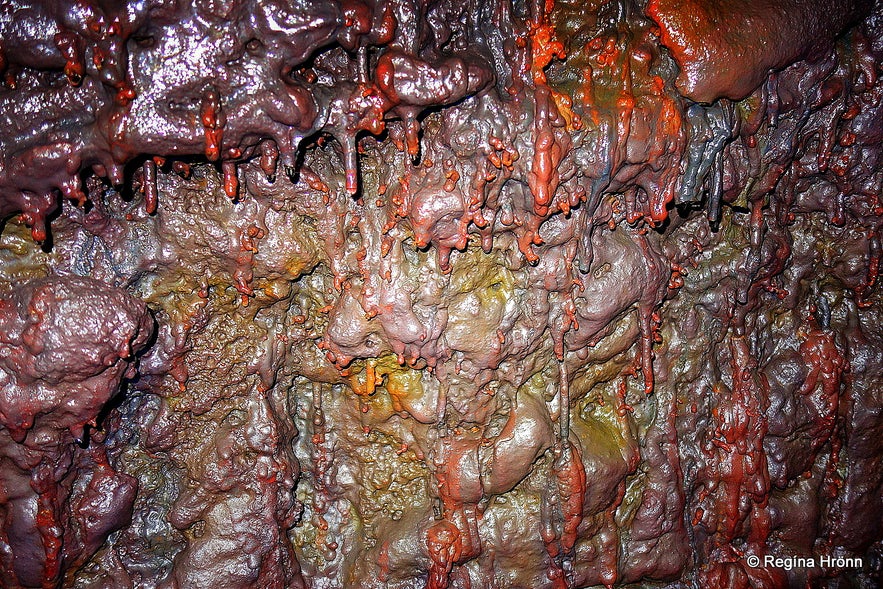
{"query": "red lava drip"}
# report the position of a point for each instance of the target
(149, 186)
(321, 466)
(648, 337)
(269, 159)
(231, 180)
(35, 209)
(648, 322)
(822, 386)
(213, 121)
(351, 164)
(244, 272)
(570, 478)
(69, 46)
(736, 496)
(543, 178)
(445, 547)
(547, 153)
(182, 169)
(48, 524)
(563, 515)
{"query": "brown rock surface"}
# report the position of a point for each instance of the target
(440, 294)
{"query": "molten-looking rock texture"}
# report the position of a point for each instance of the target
(451, 293)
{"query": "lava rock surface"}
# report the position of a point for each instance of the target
(494, 293)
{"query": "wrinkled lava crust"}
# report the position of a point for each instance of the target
(494, 293)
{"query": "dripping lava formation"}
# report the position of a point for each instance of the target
(441, 294)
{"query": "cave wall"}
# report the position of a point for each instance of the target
(440, 294)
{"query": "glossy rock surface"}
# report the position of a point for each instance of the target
(406, 294)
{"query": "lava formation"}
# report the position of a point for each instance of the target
(443, 294)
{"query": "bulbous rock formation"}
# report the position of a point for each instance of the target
(65, 345)
(392, 293)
